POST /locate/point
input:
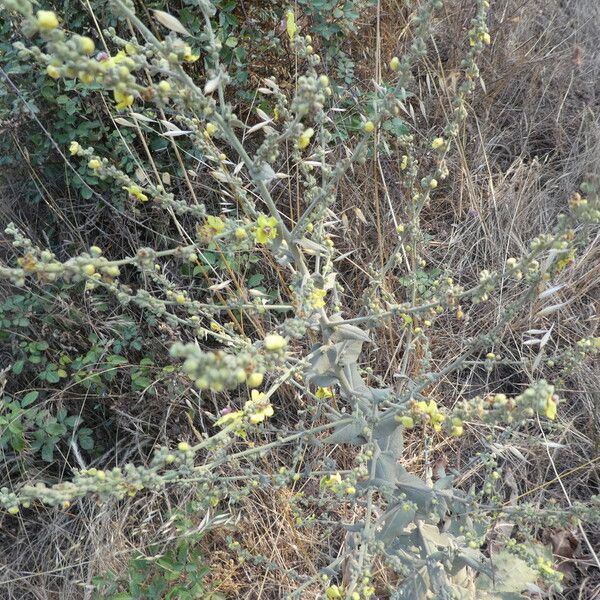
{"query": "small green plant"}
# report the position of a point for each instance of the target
(25, 425)
(175, 572)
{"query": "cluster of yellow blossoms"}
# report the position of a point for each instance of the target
(429, 412)
(257, 409)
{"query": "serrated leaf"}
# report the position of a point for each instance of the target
(434, 536)
(414, 587)
(264, 174)
(386, 429)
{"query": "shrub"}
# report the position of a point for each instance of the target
(236, 265)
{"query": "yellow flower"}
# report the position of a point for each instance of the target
(438, 142)
(545, 567)
(164, 87)
(232, 417)
(433, 184)
(567, 260)
(136, 192)
(485, 38)
(86, 78)
(324, 392)
(259, 407)
(52, 71)
(368, 591)
(407, 422)
(394, 63)
(457, 427)
(215, 224)
(86, 44)
(317, 298)
(550, 410)
(94, 164)
(119, 58)
(291, 24)
(333, 592)
(404, 162)
(123, 99)
(254, 379)
(211, 129)
(304, 139)
(266, 229)
(436, 418)
(274, 342)
(328, 481)
(369, 127)
(188, 55)
(46, 20)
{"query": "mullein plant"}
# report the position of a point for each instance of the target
(429, 534)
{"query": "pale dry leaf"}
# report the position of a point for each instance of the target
(170, 22)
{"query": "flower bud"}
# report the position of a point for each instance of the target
(46, 20)
(275, 342)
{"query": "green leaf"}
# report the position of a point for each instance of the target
(86, 442)
(72, 421)
(50, 376)
(17, 368)
(255, 280)
(48, 452)
(54, 428)
(29, 398)
(414, 587)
